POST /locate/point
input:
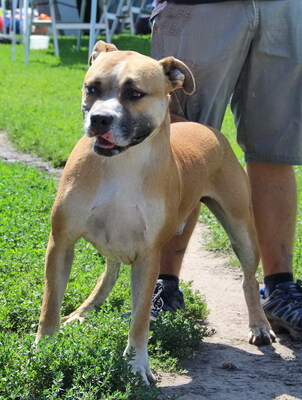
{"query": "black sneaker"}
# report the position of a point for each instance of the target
(283, 308)
(167, 297)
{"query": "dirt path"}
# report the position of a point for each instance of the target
(10, 154)
(226, 367)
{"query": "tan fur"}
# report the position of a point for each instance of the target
(131, 204)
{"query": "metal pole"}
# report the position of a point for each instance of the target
(92, 25)
(82, 14)
(54, 27)
(13, 29)
(27, 23)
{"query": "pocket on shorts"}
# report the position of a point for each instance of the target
(172, 19)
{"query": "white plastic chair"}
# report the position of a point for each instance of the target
(27, 21)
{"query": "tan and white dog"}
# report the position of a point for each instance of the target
(130, 184)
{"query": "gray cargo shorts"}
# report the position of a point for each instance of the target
(246, 51)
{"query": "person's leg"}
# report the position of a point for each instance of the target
(174, 251)
(216, 58)
(274, 202)
(167, 296)
(173, 33)
(269, 131)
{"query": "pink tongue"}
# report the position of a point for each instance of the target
(108, 136)
(106, 141)
(101, 142)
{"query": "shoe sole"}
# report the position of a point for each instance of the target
(279, 326)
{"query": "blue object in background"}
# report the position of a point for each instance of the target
(8, 23)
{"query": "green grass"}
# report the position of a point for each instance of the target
(41, 102)
(84, 361)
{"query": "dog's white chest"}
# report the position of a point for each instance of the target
(121, 222)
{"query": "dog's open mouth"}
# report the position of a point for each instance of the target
(106, 148)
(104, 143)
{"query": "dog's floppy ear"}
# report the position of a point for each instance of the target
(100, 47)
(178, 75)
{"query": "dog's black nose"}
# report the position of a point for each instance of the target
(100, 121)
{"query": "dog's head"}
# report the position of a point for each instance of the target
(126, 96)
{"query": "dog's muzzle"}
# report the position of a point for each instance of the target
(112, 138)
(100, 128)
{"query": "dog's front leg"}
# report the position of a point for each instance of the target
(102, 289)
(143, 278)
(59, 259)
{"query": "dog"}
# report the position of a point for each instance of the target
(132, 182)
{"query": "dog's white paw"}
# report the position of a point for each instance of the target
(261, 335)
(74, 317)
(145, 373)
(140, 364)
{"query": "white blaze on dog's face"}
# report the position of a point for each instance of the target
(125, 99)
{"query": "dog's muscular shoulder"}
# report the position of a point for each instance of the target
(195, 143)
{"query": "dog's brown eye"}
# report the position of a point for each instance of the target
(135, 95)
(92, 90)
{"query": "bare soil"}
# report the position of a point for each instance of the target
(10, 154)
(226, 367)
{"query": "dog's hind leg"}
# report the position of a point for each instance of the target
(232, 206)
(100, 292)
